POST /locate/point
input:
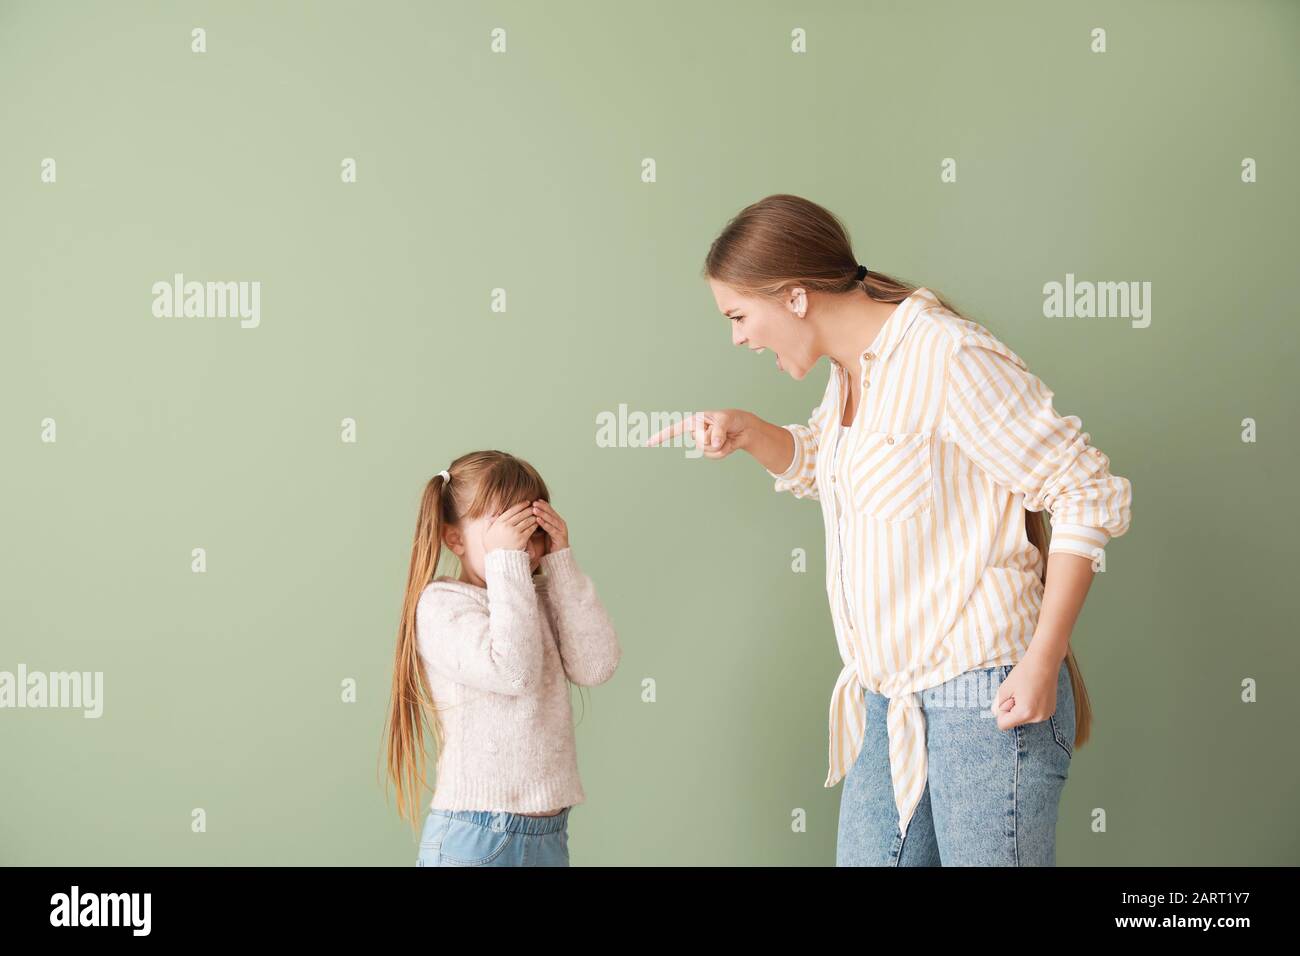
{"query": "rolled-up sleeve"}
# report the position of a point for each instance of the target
(800, 478)
(1001, 416)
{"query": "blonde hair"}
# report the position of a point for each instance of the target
(784, 240)
(479, 482)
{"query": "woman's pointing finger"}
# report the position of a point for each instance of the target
(670, 431)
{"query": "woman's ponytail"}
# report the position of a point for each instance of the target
(1036, 531)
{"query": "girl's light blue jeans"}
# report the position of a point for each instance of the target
(494, 838)
(991, 796)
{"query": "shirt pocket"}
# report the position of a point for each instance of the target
(891, 475)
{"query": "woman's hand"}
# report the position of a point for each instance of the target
(717, 433)
(557, 532)
(1028, 695)
(510, 529)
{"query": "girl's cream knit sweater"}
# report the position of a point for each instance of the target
(496, 659)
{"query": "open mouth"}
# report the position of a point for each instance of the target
(763, 348)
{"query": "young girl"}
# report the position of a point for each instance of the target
(490, 655)
(934, 453)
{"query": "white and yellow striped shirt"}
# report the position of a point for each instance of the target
(928, 567)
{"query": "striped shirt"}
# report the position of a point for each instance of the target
(929, 570)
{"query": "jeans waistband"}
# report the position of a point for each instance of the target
(977, 680)
(505, 820)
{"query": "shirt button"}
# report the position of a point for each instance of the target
(890, 439)
(832, 479)
(868, 356)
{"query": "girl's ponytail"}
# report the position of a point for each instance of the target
(411, 695)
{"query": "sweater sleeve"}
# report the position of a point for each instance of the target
(1001, 415)
(497, 647)
(588, 644)
(800, 477)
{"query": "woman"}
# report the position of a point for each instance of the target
(933, 453)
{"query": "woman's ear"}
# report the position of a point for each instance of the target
(798, 303)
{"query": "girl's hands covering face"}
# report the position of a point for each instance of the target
(510, 529)
(557, 532)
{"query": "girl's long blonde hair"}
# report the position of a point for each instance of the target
(481, 481)
(784, 240)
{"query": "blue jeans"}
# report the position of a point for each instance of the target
(991, 796)
(494, 838)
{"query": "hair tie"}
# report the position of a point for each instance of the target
(861, 274)
(446, 475)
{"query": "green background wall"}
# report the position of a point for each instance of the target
(522, 171)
